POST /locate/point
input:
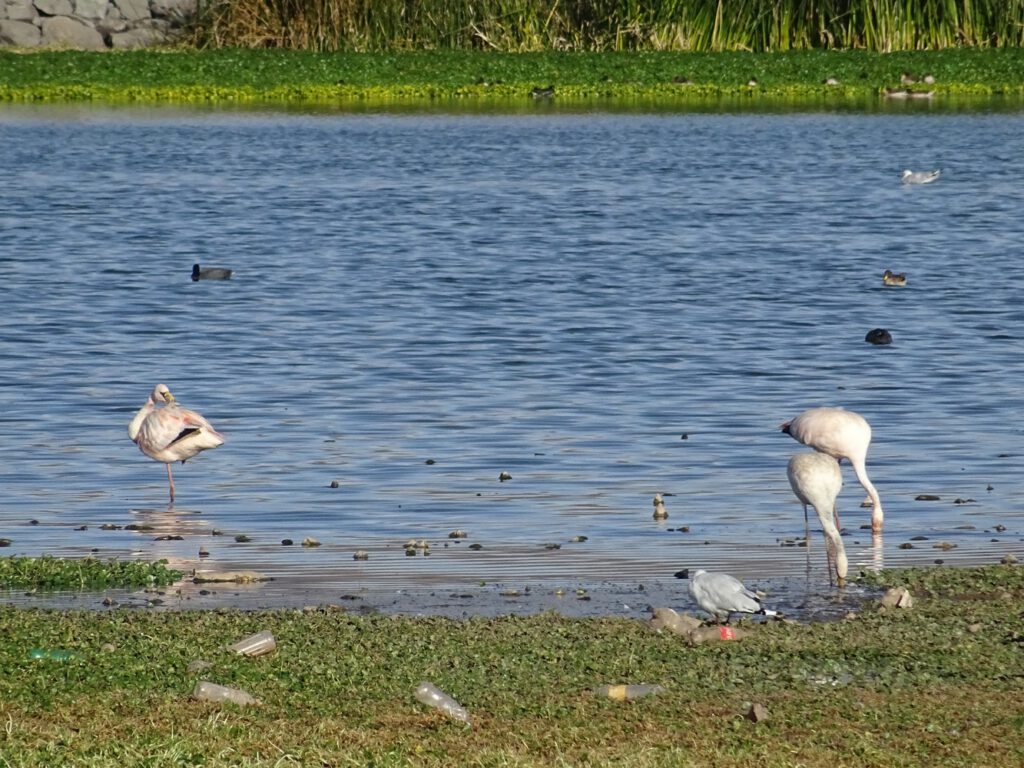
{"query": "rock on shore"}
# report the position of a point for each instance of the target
(92, 25)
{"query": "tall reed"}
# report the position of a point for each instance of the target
(611, 25)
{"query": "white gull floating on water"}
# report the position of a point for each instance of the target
(722, 595)
(919, 177)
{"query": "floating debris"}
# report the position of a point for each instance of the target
(673, 621)
(429, 694)
(260, 644)
(238, 577)
(627, 692)
(208, 691)
(897, 597)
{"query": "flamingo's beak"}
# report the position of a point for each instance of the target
(785, 427)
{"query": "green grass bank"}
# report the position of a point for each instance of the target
(938, 684)
(190, 76)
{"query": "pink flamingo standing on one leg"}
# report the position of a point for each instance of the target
(170, 432)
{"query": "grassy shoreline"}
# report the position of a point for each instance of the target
(939, 684)
(245, 76)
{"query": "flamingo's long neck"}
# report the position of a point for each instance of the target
(833, 544)
(876, 502)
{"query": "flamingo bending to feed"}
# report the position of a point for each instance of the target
(816, 480)
(722, 595)
(844, 435)
(170, 432)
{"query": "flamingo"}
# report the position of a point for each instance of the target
(170, 432)
(721, 594)
(816, 480)
(844, 435)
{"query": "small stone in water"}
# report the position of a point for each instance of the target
(361, 554)
(242, 538)
(504, 476)
(286, 542)
(926, 497)
(476, 546)
(999, 528)
(906, 545)
(335, 484)
(309, 541)
(458, 533)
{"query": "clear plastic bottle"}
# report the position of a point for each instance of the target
(255, 645)
(432, 696)
(46, 653)
(208, 691)
(627, 692)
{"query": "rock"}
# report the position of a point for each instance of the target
(64, 32)
(176, 10)
(1008, 559)
(133, 10)
(757, 713)
(309, 541)
(90, 9)
(54, 7)
(897, 597)
(668, 618)
(21, 34)
(21, 10)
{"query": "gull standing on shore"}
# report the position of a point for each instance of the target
(722, 595)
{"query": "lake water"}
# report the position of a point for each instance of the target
(602, 305)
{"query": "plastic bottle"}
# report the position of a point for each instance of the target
(627, 692)
(44, 653)
(255, 645)
(432, 696)
(212, 692)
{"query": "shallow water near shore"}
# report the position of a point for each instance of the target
(604, 306)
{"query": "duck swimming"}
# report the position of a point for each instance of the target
(892, 278)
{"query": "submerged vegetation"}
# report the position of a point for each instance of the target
(938, 684)
(238, 75)
(611, 25)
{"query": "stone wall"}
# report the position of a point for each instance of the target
(92, 25)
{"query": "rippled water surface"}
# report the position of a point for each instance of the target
(604, 306)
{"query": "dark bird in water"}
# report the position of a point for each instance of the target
(210, 273)
(543, 93)
(878, 336)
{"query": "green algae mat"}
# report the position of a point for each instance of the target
(939, 683)
(243, 76)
